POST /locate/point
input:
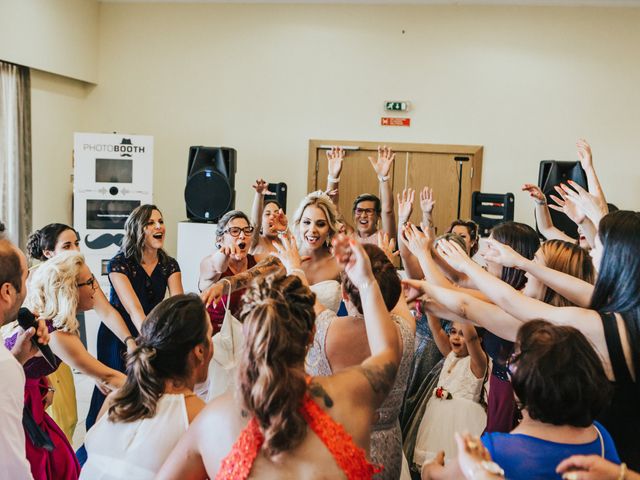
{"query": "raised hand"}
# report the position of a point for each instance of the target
(584, 154)
(335, 156)
(454, 255)
(567, 206)
(262, 187)
(287, 252)
(427, 202)
(534, 192)
(405, 204)
(280, 221)
(503, 254)
(591, 205)
(388, 246)
(351, 256)
(383, 164)
(418, 242)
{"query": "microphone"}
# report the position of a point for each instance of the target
(26, 320)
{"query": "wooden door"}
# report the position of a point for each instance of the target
(416, 166)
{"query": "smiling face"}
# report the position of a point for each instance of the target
(67, 241)
(242, 242)
(534, 288)
(582, 240)
(269, 214)
(365, 218)
(456, 340)
(87, 289)
(154, 231)
(314, 228)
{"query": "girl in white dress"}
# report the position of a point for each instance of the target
(141, 422)
(455, 404)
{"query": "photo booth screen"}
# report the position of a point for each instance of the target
(109, 214)
(114, 170)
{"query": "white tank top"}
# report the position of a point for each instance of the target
(135, 450)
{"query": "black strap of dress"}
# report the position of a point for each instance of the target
(614, 345)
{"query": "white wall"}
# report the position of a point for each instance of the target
(524, 82)
(58, 36)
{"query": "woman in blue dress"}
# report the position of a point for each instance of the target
(139, 274)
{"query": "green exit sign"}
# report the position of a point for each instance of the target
(396, 106)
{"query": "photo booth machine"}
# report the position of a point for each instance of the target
(113, 174)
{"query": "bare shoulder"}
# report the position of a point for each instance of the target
(194, 406)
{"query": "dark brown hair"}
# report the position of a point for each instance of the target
(558, 376)
(278, 319)
(367, 197)
(169, 333)
(524, 240)
(472, 228)
(133, 240)
(10, 265)
(46, 239)
(385, 274)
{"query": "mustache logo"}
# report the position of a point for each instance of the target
(103, 241)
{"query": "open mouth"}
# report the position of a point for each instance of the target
(242, 245)
(456, 344)
(158, 236)
(312, 240)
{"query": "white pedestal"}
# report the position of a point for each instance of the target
(195, 241)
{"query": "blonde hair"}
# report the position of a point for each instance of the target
(53, 290)
(323, 202)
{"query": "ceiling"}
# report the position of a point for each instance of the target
(567, 3)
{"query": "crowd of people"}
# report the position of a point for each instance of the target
(309, 354)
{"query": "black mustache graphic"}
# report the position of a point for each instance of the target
(103, 241)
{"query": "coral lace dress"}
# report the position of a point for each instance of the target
(350, 458)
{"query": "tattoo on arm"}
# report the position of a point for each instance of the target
(381, 378)
(318, 391)
(269, 265)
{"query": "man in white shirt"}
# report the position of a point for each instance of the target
(13, 289)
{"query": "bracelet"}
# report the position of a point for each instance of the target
(331, 179)
(383, 178)
(363, 288)
(130, 337)
(51, 389)
(299, 271)
(540, 202)
(623, 471)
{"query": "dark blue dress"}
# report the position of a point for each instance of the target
(150, 291)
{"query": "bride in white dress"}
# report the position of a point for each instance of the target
(314, 224)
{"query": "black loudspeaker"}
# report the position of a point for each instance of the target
(554, 173)
(490, 209)
(280, 196)
(210, 190)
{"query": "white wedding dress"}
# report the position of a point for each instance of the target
(328, 293)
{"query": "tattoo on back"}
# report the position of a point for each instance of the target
(317, 390)
(381, 378)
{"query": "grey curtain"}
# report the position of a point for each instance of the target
(15, 152)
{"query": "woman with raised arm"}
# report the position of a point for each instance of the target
(341, 342)
(288, 425)
(611, 322)
(142, 422)
(233, 234)
(268, 221)
(561, 263)
(46, 243)
(58, 289)
(140, 274)
(314, 225)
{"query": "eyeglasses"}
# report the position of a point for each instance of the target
(235, 231)
(91, 282)
(362, 211)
